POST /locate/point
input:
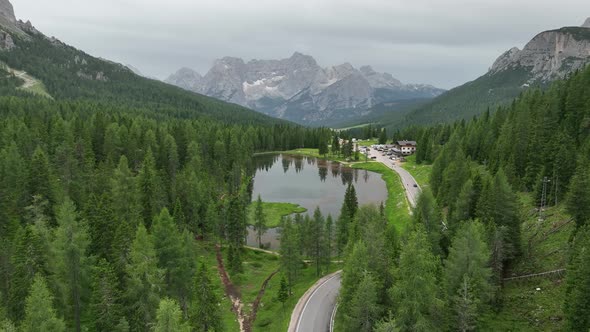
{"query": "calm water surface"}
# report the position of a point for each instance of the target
(311, 182)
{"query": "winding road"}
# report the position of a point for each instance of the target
(410, 185)
(316, 309)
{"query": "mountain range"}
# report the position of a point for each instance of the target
(298, 89)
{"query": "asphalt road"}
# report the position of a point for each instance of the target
(407, 179)
(317, 309)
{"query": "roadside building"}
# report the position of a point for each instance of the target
(404, 148)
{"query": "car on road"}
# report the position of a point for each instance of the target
(415, 185)
(373, 157)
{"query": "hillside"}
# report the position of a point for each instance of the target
(71, 74)
(549, 56)
(500, 237)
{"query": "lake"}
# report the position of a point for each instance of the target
(311, 182)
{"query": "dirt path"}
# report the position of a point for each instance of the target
(245, 321)
(231, 291)
(256, 303)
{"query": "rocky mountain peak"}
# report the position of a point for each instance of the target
(7, 11)
(367, 70)
(297, 88)
(549, 55)
(586, 23)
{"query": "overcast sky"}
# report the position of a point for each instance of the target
(441, 42)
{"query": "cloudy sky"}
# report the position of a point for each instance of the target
(441, 42)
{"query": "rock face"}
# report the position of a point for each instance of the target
(550, 55)
(6, 42)
(7, 12)
(297, 88)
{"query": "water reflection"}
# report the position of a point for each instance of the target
(307, 183)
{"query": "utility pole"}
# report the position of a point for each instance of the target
(556, 187)
(543, 198)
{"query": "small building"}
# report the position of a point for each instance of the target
(404, 148)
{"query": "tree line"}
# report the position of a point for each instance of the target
(103, 205)
(445, 271)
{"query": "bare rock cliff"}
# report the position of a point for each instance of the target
(550, 55)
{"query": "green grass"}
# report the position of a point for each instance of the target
(207, 255)
(368, 143)
(271, 314)
(396, 208)
(420, 172)
(545, 248)
(274, 212)
(257, 267)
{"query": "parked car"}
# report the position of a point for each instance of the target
(373, 157)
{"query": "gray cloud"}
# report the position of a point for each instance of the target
(445, 43)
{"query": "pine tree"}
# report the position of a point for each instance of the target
(29, 259)
(336, 145)
(364, 309)
(578, 199)
(427, 214)
(318, 238)
(40, 316)
(205, 314)
(354, 268)
(383, 136)
(467, 276)
(150, 189)
(283, 294)
(40, 182)
(168, 246)
(105, 304)
(347, 213)
(290, 255)
(71, 262)
(259, 221)
(416, 291)
(169, 318)
(144, 282)
(577, 303)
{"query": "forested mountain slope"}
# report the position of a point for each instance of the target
(71, 74)
(550, 55)
(478, 224)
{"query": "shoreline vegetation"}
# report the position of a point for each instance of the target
(274, 212)
(397, 208)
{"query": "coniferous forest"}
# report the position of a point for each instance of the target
(446, 270)
(109, 188)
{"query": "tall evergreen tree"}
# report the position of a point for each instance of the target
(427, 214)
(169, 318)
(318, 241)
(467, 277)
(144, 282)
(71, 262)
(205, 314)
(40, 182)
(40, 315)
(106, 310)
(578, 199)
(259, 221)
(577, 302)
(290, 255)
(150, 189)
(416, 291)
(364, 309)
